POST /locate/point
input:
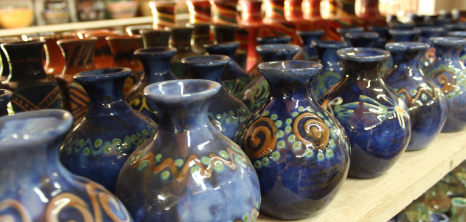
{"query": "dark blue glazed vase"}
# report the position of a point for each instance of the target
(300, 153)
(226, 112)
(257, 91)
(383, 35)
(188, 171)
(156, 63)
(362, 39)
(450, 75)
(308, 52)
(234, 78)
(342, 32)
(460, 34)
(5, 97)
(374, 117)
(34, 186)
(428, 57)
(427, 105)
(332, 70)
(253, 72)
(110, 131)
(181, 40)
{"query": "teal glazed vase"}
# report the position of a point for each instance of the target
(460, 34)
(34, 185)
(257, 91)
(188, 171)
(300, 153)
(5, 97)
(458, 209)
(429, 56)
(426, 103)
(450, 75)
(156, 64)
(374, 117)
(332, 70)
(226, 112)
(110, 131)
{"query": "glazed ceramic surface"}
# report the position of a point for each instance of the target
(34, 186)
(300, 152)
(110, 131)
(200, 36)
(103, 57)
(5, 97)
(226, 112)
(450, 75)
(188, 171)
(429, 56)
(362, 39)
(426, 103)
(342, 32)
(383, 35)
(374, 117)
(155, 38)
(181, 40)
(460, 34)
(308, 51)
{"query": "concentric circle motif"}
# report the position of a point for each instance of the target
(445, 79)
(260, 138)
(311, 129)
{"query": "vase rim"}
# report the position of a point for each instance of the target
(274, 39)
(329, 44)
(206, 60)
(164, 30)
(121, 37)
(458, 201)
(163, 3)
(404, 31)
(277, 48)
(401, 25)
(175, 91)
(198, 24)
(425, 29)
(33, 127)
(439, 217)
(103, 74)
(74, 40)
(34, 42)
(455, 25)
(156, 52)
(349, 29)
(378, 28)
(222, 44)
(363, 54)
(457, 34)
(311, 32)
(294, 66)
(448, 41)
(406, 46)
(361, 35)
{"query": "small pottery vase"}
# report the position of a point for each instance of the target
(275, 18)
(374, 117)
(285, 39)
(188, 165)
(226, 112)
(426, 103)
(223, 33)
(450, 75)
(35, 186)
(234, 78)
(200, 36)
(56, 12)
(294, 13)
(439, 217)
(32, 88)
(164, 13)
(181, 40)
(460, 34)
(155, 38)
(156, 63)
(458, 209)
(345, 18)
(342, 32)
(4, 66)
(136, 29)
(429, 56)
(257, 91)
(199, 11)
(224, 12)
(383, 35)
(103, 57)
(452, 186)
(436, 199)
(401, 26)
(120, 129)
(370, 14)
(404, 35)
(308, 52)
(332, 70)
(5, 97)
(311, 12)
(300, 153)
(453, 27)
(362, 39)
(54, 59)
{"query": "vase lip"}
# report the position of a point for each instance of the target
(404, 31)
(206, 60)
(439, 217)
(102, 74)
(428, 29)
(164, 30)
(458, 201)
(273, 39)
(215, 26)
(277, 48)
(23, 43)
(156, 52)
(329, 44)
(362, 35)
(75, 40)
(455, 25)
(400, 25)
(448, 41)
(194, 25)
(174, 91)
(164, 3)
(33, 127)
(378, 28)
(461, 34)
(363, 54)
(122, 37)
(406, 46)
(294, 66)
(310, 33)
(220, 45)
(342, 31)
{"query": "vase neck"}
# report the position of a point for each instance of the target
(278, 52)
(186, 116)
(328, 57)
(201, 34)
(25, 61)
(294, 10)
(79, 55)
(311, 9)
(369, 9)
(405, 62)
(157, 68)
(346, 8)
(448, 54)
(362, 70)
(181, 39)
(224, 12)
(123, 51)
(251, 12)
(274, 9)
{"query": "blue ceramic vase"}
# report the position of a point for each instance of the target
(383, 35)
(300, 153)
(404, 35)
(226, 112)
(362, 39)
(438, 217)
(181, 40)
(5, 97)
(374, 117)
(460, 34)
(428, 57)
(342, 32)
(156, 63)
(34, 186)
(257, 91)
(332, 70)
(308, 52)
(110, 131)
(188, 171)
(450, 75)
(427, 105)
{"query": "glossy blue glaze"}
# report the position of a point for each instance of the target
(383, 35)
(374, 117)
(273, 40)
(308, 52)
(460, 34)
(332, 68)
(226, 112)
(404, 35)
(426, 103)
(156, 63)
(428, 57)
(343, 31)
(438, 217)
(450, 75)
(300, 153)
(188, 171)
(362, 39)
(5, 97)
(257, 91)
(401, 26)
(110, 131)
(34, 186)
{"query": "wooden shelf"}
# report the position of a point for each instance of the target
(382, 198)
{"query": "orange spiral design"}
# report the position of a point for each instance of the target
(430, 54)
(260, 138)
(315, 131)
(445, 79)
(10, 203)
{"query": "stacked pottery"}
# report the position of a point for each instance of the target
(300, 152)
(188, 166)
(111, 130)
(374, 117)
(226, 112)
(427, 105)
(34, 186)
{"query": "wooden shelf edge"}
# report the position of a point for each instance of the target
(382, 198)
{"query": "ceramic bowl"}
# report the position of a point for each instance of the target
(16, 17)
(120, 10)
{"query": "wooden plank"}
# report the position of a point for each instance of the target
(382, 198)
